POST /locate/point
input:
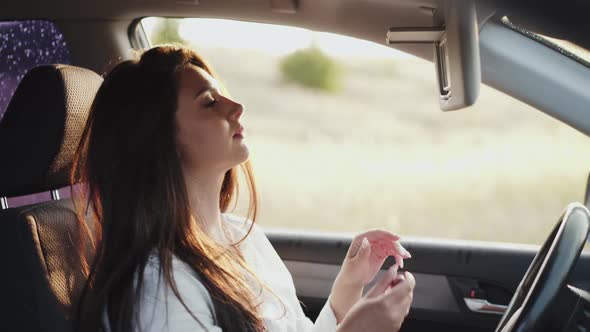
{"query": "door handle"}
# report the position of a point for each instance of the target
(485, 307)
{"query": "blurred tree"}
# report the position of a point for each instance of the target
(166, 31)
(313, 69)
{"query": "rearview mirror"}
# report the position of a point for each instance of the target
(456, 52)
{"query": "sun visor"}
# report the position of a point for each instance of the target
(455, 40)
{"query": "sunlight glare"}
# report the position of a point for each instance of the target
(277, 40)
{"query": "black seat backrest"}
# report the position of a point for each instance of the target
(42, 274)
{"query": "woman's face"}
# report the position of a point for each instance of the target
(209, 133)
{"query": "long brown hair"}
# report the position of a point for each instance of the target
(133, 184)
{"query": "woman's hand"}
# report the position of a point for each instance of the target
(384, 307)
(364, 259)
(366, 255)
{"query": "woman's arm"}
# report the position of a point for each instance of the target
(360, 266)
(343, 297)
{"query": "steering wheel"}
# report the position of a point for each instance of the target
(548, 272)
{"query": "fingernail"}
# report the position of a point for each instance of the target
(365, 243)
(407, 253)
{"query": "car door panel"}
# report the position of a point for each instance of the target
(447, 273)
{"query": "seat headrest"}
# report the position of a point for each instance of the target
(42, 126)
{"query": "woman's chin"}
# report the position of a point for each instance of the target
(242, 153)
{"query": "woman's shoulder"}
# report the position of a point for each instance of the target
(185, 278)
(153, 275)
(235, 219)
(242, 225)
(256, 239)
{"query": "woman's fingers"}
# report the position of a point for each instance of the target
(384, 282)
(384, 307)
(399, 260)
(380, 234)
(395, 247)
(355, 246)
(397, 251)
(400, 249)
(410, 277)
(365, 250)
(403, 289)
(385, 239)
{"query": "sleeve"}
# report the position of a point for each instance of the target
(326, 320)
(278, 275)
(160, 310)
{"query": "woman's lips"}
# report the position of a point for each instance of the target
(239, 133)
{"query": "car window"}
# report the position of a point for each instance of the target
(24, 45)
(347, 135)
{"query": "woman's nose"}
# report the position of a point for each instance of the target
(237, 111)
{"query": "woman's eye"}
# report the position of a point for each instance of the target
(211, 103)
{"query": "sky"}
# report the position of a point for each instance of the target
(275, 39)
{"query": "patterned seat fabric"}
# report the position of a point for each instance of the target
(42, 273)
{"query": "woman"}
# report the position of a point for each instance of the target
(159, 158)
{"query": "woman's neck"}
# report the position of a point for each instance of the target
(203, 194)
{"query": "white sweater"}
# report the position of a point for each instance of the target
(160, 310)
